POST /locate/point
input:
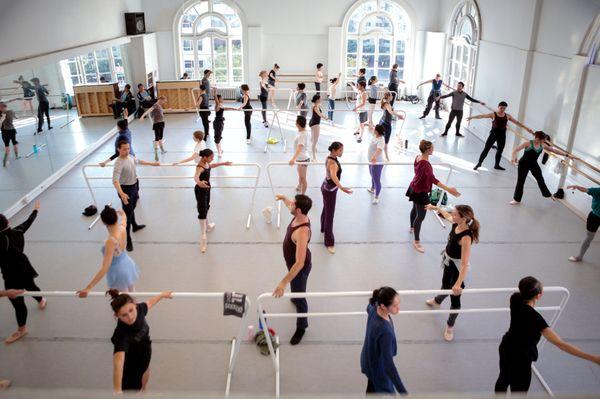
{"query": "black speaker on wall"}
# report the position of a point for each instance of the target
(134, 23)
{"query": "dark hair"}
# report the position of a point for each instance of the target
(529, 287)
(540, 135)
(207, 152)
(319, 65)
(218, 96)
(3, 222)
(395, 66)
(465, 211)
(336, 145)
(315, 98)
(301, 121)
(301, 86)
(118, 300)
(362, 70)
(245, 87)
(380, 129)
(139, 84)
(333, 80)
(303, 202)
(109, 215)
(185, 74)
(362, 84)
(121, 142)
(462, 84)
(122, 124)
(502, 104)
(372, 79)
(383, 296)
(424, 146)
(128, 86)
(207, 71)
(202, 87)
(276, 66)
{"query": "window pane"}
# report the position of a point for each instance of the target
(370, 72)
(384, 46)
(353, 25)
(368, 46)
(73, 68)
(384, 61)
(107, 76)
(352, 46)
(187, 45)
(220, 75)
(377, 22)
(465, 55)
(118, 62)
(236, 46)
(204, 62)
(91, 78)
(351, 61)
(103, 66)
(383, 75)
(220, 46)
(75, 80)
(368, 61)
(102, 54)
(188, 64)
(236, 60)
(221, 61)
(116, 51)
(237, 75)
(400, 46)
(400, 60)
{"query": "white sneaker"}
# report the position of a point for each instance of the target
(431, 302)
(210, 227)
(331, 250)
(248, 141)
(513, 202)
(268, 214)
(375, 201)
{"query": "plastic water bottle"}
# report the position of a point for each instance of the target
(35, 149)
(406, 144)
(250, 332)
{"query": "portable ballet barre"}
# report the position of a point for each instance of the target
(235, 342)
(271, 164)
(256, 178)
(274, 354)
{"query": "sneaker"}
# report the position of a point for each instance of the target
(265, 124)
(498, 167)
(513, 202)
(297, 337)
(42, 304)
(331, 249)
(375, 201)
(210, 227)
(460, 135)
(477, 166)
(137, 227)
(372, 191)
(431, 302)
(574, 259)
(449, 334)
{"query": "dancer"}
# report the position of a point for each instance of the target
(207, 85)
(301, 102)
(361, 101)
(434, 95)
(318, 77)
(361, 77)
(28, 93)
(120, 270)
(331, 95)
(497, 134)
(301, 157)
(528, 163)
(247, 107)
(375, 155)
(202, 192)
(131, 341)
(272, 81)
(333, 173)
(126, 182)
(458, 102)
(17, 271)
(386, 120)
(43, 104)
(198, 137)
(393, 85)
(380, 347)
(372, 98)
(185, 76)
(263, 96)
(419, 189)
(124, 134)
(298, 259)
(203, 108)
(464, 233)
(219, 123)
(145, 98)
(124, 105)
(518, 348)
(158, 124)
(593, 220)
(9, 133)
(315, 123)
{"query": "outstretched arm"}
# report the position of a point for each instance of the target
(286, 201)
(109, 250)
(553, 337)
(154, 300)
(516, 122)
(443, 212)
(580, 188)
(481, 116)
(423, 83)
(23, 227)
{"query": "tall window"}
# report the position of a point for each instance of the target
(377, 37)
(210, 37)
(90, 67)
(463, 45)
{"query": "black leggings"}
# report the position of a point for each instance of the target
(43, 109)
(247, 117)
(430, 100)
(449, 278)
(263, 104)
(19, 302)
(394, 89)
(417, 215)
(454, 113)
(205, 122)
(496, 136)
(515, 371)
(129, 209)
(522, 171)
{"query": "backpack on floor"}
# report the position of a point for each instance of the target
(436, 195)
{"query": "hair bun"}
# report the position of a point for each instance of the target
(113, 293)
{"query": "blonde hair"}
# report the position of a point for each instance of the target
(262, 73)
(385, 99)
(198, 135)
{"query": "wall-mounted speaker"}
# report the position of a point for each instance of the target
(135, 23)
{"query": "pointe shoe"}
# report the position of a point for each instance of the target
(14, 337)
(449, 334)
(513, 202)
(42, 304)
(331, 249)
(431, 302)
(210, 227)
(418, 247)
(203, 244)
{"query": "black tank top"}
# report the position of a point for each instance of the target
(271, 77)
(339, 171)
(204, 175)
(387, 116)
(248, 105)
(289, 246)
(315, 119)
(453, 246)
(531, 154)
(499, 122)
(219, 114)
(263, 91)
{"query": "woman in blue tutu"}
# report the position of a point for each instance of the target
(120, 270)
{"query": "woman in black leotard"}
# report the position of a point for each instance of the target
(315, 124)
(272, 81)
(247, 107)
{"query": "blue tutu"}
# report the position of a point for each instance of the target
(123, 271)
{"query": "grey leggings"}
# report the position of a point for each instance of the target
(591, 227)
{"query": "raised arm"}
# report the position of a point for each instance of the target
(148, 163)
(286, 201)
(423, 83)
(553, 337)
(188, 159)
(443, 212)
(154, 300)
(516, 122)
(217, 164)
(446, 95)
(146, 113)
(483, 116)
(23, 227)
(474, 100)
(580, 188)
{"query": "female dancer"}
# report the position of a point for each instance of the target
(120, 270)
(386, 119)
(219, 122)
(17, 271)
(158, 124)
(528, 163)
(379, 348)
(333, 173)
(301, 102)
(593, 220)
(9, 133)
(376, 149)
(518, 348)
(202, 192)
(318, 77)
(131, 340)
(315, 124)
(331, 95)
(198, 137)
(361, 101)
(419, 189)
(272, 81)
(300, 156)
(247, 107)
(372, 98)
(394, 82)
(464, 232)
(263, 96)
(28, 93)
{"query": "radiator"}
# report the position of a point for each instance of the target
(229, 93)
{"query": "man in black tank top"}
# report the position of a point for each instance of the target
(497, 134)
(297, 258)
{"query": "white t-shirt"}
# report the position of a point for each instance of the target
(302, 139)
(201, 145)
(377, 142)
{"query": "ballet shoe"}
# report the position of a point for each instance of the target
(418, 247)
(42, 304)
(331, 249)
(4, 384)
(14, 337)
(210, 227)
(431, 302)
(574, 259)
(449, 334)
(514, 202)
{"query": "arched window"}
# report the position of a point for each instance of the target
(209, 36)
(377, 37)
(463, 45)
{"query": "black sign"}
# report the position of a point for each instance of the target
(234, 304)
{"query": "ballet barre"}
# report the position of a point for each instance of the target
(235, 341)
(274, 354)
(255, 177)
(272, 164)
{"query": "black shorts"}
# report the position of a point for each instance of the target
(159, 129)
(202, 201)
(8, 136)
(417, 198)
(362, 117)
(593, 222)
(387, 131)
(372, 100)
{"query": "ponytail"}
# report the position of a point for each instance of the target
(383, 296)
(466, 212)
(529, 288)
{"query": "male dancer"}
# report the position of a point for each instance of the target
(458, 101)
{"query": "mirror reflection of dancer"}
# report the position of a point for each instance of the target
(158, 124)
(434, 94)
(131, 340)
(17, 271)
(43, 104)
(518, 348)
(28, 93)
(593, 220)
(9, 133)
(272, 81)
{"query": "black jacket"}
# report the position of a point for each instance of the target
(14, 264)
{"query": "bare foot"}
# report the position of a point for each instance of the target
(42, 304)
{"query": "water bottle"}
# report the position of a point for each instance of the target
(250, 332)
(35, 149)
(406, 144)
